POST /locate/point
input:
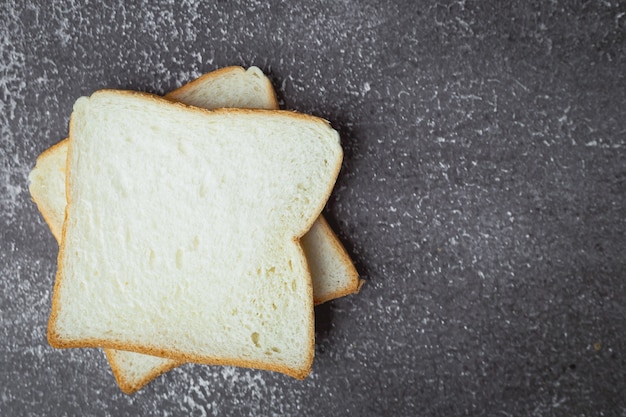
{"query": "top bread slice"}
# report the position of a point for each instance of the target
(181, 231)
(333, 273)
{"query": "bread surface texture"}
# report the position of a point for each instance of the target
(208, 268)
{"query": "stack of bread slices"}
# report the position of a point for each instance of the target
(190, 228)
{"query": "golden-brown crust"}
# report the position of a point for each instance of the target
(128, 387)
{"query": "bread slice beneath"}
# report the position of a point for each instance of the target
(228, 87)
(46, 184)
(209, 268)
(332, 271)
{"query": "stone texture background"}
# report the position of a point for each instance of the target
(482, 197)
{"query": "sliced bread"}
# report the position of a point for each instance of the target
(209, 269)
(332, 271)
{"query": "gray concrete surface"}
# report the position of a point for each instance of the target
(482, 197)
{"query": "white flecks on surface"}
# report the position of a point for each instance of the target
(481, 196)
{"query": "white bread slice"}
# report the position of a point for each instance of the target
(332, 271)
(209, 270)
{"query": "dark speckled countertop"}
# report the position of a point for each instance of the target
(482, 198)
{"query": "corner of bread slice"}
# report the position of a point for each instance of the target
(133, 371)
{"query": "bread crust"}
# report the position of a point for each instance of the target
(57, 341)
